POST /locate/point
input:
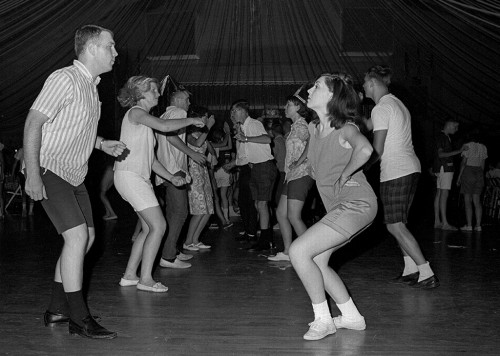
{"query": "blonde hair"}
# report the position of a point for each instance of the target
(134, 89)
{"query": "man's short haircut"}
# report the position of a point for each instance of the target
(86, 34)
(177, 94)
(381, 73)
(241, 104)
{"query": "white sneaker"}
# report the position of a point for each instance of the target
(343, 323)
(190, 247)
(320, 328)
(280, 256)
(184, 256)
(176, 264)
(202, 246)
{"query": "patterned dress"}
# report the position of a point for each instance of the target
(200, 190)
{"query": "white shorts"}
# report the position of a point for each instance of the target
(135, 189)
(222, 178)
(444, 179)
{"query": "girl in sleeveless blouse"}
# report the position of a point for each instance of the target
(337, 151)
(132, 176)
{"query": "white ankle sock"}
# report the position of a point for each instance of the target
(425, 271)
(322, 311)
(410, 266)
(349, 310)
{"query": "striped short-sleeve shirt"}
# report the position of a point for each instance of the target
(70, 99)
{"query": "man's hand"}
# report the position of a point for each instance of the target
(178, 181)
(199, 158)
(34, 188)
(198, 121)
(113, 148)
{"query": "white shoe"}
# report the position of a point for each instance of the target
(128, 282)
(202, 246)
(156, 288)
(280, 256)
(176, 264)
(343, 323)
(320, 328)
(190, 247)
(184, 257)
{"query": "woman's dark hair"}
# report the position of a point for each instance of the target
(344, 105)
(303, 111)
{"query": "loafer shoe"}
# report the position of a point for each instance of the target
(53, 319)
(319, 329)
(156, 288)
(343, 323)
(202, 246)
(176, 264)
(184, 256)
(190, 247)
(428, 283)
(280, 256)
(408, 279)
(90, 329)
(466, 228)
(128, 282)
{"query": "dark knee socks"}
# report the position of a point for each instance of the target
(58, 302)
(77, 308)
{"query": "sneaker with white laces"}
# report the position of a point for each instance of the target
(190, 247)
(202, 246)
(184, 256)
(343, 323)
(319, 329)
(280, 256)
(176, 264)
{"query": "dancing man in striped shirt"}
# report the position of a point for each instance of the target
(59, 136)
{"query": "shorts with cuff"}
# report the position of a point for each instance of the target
(135, 189)
(397, 196)
(298, 189)
(67, 206)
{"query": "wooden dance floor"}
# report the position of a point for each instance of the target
(234, 302)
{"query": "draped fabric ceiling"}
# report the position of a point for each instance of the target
(444, 52)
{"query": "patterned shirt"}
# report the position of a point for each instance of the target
(296, 143)
(70, 100)
(476, 154)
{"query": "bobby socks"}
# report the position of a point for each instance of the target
(410, 266)
(425, 271)
(322, 311)
(349, 311)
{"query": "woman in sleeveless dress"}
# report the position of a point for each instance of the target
(337, 151)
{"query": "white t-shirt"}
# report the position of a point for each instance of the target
(399, 158)
(169, 156)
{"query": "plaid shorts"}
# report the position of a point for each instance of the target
(397, 196)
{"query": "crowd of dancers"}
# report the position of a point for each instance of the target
(196, 175)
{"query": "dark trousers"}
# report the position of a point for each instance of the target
(245, 202)
(176, 201)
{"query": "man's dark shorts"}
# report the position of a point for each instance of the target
(262, 178)
(397, 197)
(67, 206)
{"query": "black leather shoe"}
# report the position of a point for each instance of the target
(410, 279)
(53, 319)
(90, 329)
(429, 283)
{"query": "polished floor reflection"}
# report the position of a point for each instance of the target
(234, 302)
